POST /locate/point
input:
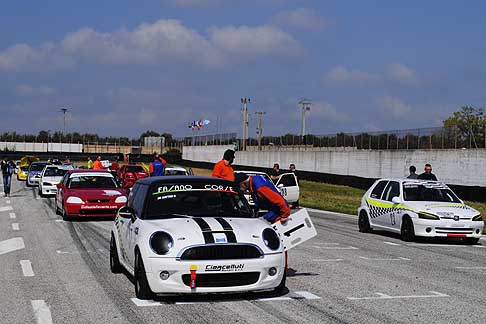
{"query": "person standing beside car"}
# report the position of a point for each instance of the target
(7, 167)
(157, 167)
(275, 173)
(97, 164)
(223, 168)
(427, 175)
(90, 163)
(412, 174)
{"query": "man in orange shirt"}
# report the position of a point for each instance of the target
(97, 164)
(223, 168)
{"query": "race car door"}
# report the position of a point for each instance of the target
(392, 217)
(296, 230)
(134, 224)
(289, 187)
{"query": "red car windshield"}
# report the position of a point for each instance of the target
(92, 182)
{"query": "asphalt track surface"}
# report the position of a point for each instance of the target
(58, 272)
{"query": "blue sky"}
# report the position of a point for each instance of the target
(126, 66)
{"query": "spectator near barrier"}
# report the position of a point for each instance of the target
(427, 175)
(275, 172)
(412, 174)
(97, 164)
(223, 168)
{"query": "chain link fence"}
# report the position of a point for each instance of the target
(408, 139)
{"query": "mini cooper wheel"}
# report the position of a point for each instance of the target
(115, 265)
(407, 230)
(471, 240)
(142, 288)
(364, 223)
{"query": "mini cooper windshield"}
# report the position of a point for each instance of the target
(196, 200)
(428, 192)
(92, 182)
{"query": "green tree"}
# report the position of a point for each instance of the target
(469, 125)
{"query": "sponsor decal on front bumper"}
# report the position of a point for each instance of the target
(98, 207)
(225, 267)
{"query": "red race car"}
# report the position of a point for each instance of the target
(89, 193)
(130, 173)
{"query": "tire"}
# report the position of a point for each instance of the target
(407, 230)
(65, 216)
(364, 223)
(115, 265)
(58, 211)
(471, 240)
(142, 287)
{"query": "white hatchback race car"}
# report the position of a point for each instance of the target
(190, 235)
(418, 208)
(50, 177)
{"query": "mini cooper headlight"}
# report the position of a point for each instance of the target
(271, 239)
(428, 216)
(74, 200)
(477, 218)
(161, 242)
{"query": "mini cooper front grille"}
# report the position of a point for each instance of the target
(221, 252)
(223, 279)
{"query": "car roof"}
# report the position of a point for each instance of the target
(410, 180)
(173, 167)
(185, 179)
(89, 171)
(46, 163)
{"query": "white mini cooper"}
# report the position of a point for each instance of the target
(418, 208)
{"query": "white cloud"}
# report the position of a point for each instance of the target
(301, 18)
(29, 91)
(342, 75)
(162, 42)
(400, 72)
(324, 112)
(394, 107)
(248, 42)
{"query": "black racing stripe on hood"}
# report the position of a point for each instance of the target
(206, 230)
(230, 235)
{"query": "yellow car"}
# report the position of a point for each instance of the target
(22, 173)
(24, 167)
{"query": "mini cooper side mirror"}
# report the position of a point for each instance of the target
(126, 212)
(396, 200)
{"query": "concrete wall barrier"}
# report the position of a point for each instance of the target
(466, 167)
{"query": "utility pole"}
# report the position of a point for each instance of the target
(244, 134)
(64, 111)
(305, 107)
(260, 128)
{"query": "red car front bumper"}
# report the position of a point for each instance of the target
(93, 209)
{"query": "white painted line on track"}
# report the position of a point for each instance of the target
(437, 245)
(480, 246)
(42, 312)
(307, 295)
(391, 243)
(64, 252)
(27, 268)
(433, 294)
(327, 260)
(12, 215)
(144, 303)
(10, 245)
(325, 243)
(385, 259)
(15, 226)
(471, 268)
(335, 247)
(7, 202)
(59, 221)
(6, 208)
(269, 299)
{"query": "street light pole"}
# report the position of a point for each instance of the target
(64, 111)
(244, 111)
(260, 128)
(305, 107)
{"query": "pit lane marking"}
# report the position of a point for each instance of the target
(327, 260)
(335, 247)
(297, 295)
(15, 226)
(42, 312)
(10, 245)
(433, 294)
(27, 268)
(471, 268)
(6, 208)
(392, 243)
(12, 215)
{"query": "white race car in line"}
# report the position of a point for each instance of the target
(287, 185)
(190, 235)
(418, 208)
(50, 177)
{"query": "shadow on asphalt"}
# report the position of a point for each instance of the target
(427, 240)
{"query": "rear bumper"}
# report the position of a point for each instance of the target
(48, 190)
(257, 268)
(448, 228)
